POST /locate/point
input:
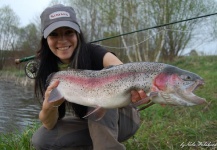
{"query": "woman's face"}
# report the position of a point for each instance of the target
(62, 43)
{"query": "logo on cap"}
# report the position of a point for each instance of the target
(59, 14)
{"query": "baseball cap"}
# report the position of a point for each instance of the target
(58, 16)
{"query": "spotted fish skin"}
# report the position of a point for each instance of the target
(110, 88)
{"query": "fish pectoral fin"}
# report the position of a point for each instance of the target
(55, 95)
(96, 114)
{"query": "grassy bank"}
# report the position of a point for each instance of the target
(164, 128)
(17, 76)
(17, 140)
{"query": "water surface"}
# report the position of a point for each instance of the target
(18, 108)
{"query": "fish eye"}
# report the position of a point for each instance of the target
(186, 77)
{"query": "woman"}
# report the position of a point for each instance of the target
(62, 47)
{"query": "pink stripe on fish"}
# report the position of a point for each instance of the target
(95, 82)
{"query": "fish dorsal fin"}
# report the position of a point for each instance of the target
(96, 114)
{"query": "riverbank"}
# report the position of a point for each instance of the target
(18, 77)
(18, 111)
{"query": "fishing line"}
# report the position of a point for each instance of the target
(131, 45)
(164, 29)
(111, 47)
(157, 26)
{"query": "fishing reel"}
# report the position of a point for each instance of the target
(31, 69)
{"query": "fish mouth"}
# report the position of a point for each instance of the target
(196, 100)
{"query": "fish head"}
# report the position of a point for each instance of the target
(176, 86)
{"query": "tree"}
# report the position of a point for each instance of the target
(99, 18)
(8, 28)
(178, 36)
(29, 39)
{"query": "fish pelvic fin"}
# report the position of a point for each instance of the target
(96, 114)
(55, 95)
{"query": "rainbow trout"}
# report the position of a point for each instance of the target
(110, 88)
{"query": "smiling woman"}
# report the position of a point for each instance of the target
(63, 42)
(62, 46)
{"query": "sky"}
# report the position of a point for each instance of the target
(26, 10)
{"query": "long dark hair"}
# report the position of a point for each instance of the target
(49, 64)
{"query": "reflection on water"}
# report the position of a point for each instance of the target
(18, 108)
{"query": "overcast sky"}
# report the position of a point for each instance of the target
(26, 9)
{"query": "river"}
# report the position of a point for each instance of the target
(18, 108)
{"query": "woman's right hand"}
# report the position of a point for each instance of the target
(49, 112)
(55, 104)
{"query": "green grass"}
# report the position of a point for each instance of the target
(13, 73)
(18, 140)
(163, 128)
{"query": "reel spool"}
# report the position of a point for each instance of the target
(31, 69)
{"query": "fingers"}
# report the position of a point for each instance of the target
(139, 98)
(142, 94)
(134, 96)
(137, 95)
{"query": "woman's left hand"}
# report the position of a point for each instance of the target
(138, 95)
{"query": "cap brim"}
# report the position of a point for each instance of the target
(58, 24)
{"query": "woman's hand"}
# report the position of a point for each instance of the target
(140, 98)
(49, 112)
(138, 95)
